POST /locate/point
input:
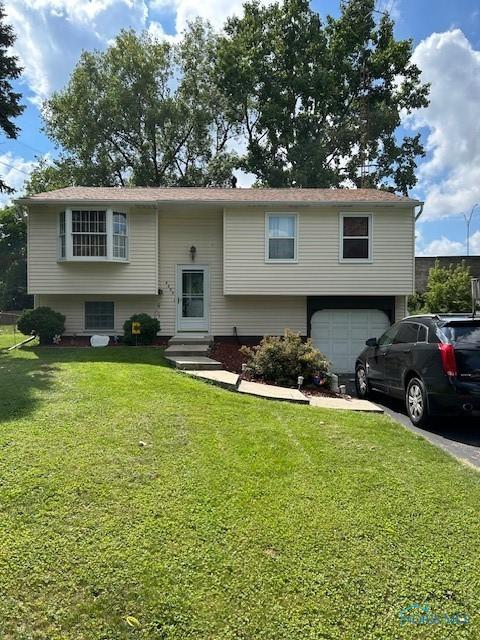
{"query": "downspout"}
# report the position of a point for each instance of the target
(417, 215)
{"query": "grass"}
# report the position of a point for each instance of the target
(129, 489)
(8, 337)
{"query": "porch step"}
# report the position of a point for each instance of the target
(187, 350)
(191, 338)
(196, 363)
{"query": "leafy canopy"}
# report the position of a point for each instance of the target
(142, 113)
(13, 261)
(10, 106)
(449, 290)
(320, 102)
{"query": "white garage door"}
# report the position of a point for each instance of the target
(341, 333)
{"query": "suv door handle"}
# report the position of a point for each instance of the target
(407, 350)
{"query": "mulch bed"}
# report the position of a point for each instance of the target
(84, 341)
(228, 353)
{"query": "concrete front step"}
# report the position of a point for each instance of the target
(191, 338)
(187, 350)
(196, 363)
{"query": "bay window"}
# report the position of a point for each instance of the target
(93, 234)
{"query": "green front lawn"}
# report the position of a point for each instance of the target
(129, 489)
(9, 335)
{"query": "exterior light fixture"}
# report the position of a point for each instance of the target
(193, 251)
(300, 381)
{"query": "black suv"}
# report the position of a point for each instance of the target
(431, 361)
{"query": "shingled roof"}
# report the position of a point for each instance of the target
(192, 195)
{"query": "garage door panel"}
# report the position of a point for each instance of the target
(341, 333)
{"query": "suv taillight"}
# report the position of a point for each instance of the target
(449, 363)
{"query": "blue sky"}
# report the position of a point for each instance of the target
(446, 36)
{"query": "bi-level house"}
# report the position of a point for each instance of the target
(333, 264)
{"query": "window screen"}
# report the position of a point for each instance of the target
(99, 316)
(281, 237)
(356, 238)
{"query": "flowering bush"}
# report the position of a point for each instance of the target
(282, 359)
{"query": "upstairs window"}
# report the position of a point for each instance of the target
(281, 237)
(89, 234)
(62, 249)
(355, 243)
(93, 234)
(119, 235)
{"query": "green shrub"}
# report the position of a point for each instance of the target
(44, 322)
(282, 359)
(149, 327)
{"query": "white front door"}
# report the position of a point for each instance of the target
(192, 298)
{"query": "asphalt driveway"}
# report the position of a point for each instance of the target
(458, 436)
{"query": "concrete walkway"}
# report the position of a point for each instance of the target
(232, 381)
(272, 392)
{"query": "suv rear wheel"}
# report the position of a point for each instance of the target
(416, 403)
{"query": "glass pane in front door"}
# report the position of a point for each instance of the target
(192, 294)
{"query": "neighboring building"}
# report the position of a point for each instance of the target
(334, 264)
(423, 266)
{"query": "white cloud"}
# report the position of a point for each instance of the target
(475, 244)
(442, 247)
(51, 34)
(450, 177)
(215, 11)
(13, 171)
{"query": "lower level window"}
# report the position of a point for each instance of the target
(99, 316)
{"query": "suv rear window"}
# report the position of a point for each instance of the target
(464, 332)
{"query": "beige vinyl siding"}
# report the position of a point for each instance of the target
(251, 315)
(73, 308)
(401, 309)
(46, 274)
(318, 270)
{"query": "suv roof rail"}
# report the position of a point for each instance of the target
(422, 315)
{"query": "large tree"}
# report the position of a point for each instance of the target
(10, 106)
(13, 261)
(143, 113)
(320, 102)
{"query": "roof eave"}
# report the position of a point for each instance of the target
(223, 203)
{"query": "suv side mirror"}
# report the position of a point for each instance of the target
(372, 342)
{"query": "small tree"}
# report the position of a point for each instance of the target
(282, 360)
(43, 322)
(449, 290)
(149, 327)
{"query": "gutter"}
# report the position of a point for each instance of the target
(225, 203)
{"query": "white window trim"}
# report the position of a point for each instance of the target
(69, 257)
(276, 214)
(109, 330)
(358, 214)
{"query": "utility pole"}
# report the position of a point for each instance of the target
(468, 220)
